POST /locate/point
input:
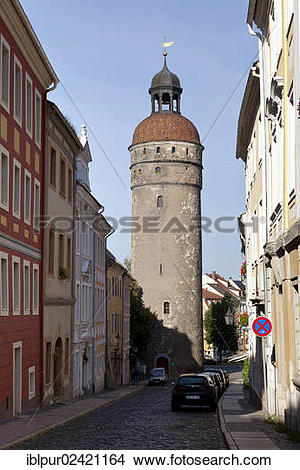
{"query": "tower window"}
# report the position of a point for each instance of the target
(187, 151)
(160, 269)
(158, 170)
(157, 150)
(160, 201)
(166, 308)
(173, 149)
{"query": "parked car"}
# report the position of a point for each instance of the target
(221, 376)
(194, 390)
(158, 376)
(216, 379)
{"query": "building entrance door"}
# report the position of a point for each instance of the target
(58, 359)
(163, 362)
(17, 379)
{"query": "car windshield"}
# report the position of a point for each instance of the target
(157, 372)
(192, 381)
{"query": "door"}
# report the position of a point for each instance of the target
(58, 361)
(17, 379)
(163, 362)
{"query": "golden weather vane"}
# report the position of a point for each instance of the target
(166, 44)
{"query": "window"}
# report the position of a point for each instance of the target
(51, 251)
(61, 251)
(62, 187)
(173, 149)
(3, 284)
(35, 289)
(158, 150)
(17, 189)
(53, 168)
(26, 295)
(16, 284)
(158, 170)
(69, 257)
(48, 362)
(70, 185)
(38, 113)
(37, 194)
(160, 201)
(31, 382)
(27, 197)
(186, 151)
(5, 73)
(166, 308)
(28, 106)
(144, 150)
(160, 268)
(17, 91)
(4, 178)
(67, 354)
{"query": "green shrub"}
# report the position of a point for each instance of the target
(246, 372)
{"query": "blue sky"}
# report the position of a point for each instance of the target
(105, 54)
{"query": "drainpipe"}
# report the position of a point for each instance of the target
(106, 297)
(261, 77)
(43, 233)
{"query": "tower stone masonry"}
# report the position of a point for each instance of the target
(166, 259)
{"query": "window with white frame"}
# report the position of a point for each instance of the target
(17, 189)
(17, 91)
(26, 295)
(16, 285)
(37, 195)
(27, 197)
(31, 382)
(4, 306)
(28, 106)
(4, 178)
(35, 290)
(38, 113)
(5, 73)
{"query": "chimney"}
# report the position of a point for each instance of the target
(214, 275)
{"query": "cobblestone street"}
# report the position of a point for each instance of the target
(142, 420)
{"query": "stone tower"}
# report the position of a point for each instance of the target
(166, 182)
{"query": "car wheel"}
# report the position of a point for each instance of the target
(213, 407)
(175, 407)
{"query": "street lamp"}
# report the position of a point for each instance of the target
(229, 317)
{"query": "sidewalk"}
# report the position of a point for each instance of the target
(29, 425)
(244, 426)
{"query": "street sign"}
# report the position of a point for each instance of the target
(262, 326)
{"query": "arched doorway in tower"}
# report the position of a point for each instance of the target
(162, 361)
(58, 360)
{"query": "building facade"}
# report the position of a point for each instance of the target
(62, 149)
(118, 322)
(268, 142)
(26, 77)
(89, 326)
(166, 182)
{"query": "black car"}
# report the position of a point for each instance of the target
(221, 374)
(194, 390)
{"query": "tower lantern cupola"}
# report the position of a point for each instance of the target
(165, 90)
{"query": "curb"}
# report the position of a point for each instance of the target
(227, 435)
(67, 420)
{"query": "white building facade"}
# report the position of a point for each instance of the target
(89, 325)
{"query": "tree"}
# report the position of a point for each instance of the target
(218, 333)
(141, 323)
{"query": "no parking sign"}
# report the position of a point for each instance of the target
(262, 326)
